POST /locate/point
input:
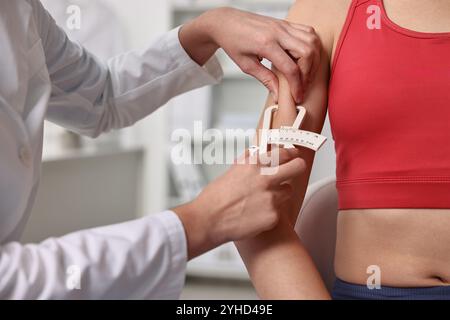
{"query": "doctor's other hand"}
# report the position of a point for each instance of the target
(294, 49)
(240, 204)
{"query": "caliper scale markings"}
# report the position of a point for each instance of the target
(289, 137)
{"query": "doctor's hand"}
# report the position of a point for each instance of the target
(294, 49)
(241, 204)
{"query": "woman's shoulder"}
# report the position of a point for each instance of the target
(327, 17)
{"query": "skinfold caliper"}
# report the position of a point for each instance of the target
(286, 136)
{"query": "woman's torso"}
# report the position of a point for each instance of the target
(410, 247)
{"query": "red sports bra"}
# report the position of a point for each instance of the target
(389, 107)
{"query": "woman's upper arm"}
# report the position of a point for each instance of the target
(292, 273)
(313, 13)
(326, 17)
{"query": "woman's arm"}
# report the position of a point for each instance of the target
(277, 262)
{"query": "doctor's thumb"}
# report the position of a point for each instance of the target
(254, 68)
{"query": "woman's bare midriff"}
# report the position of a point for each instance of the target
(411, 247)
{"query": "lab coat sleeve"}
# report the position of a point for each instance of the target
(90, 98)
(141, 259)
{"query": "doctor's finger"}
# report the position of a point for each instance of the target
(286, 154)
(288, 67)
(283, 193)
(300, 26)
(303, 56)
(289, 171)
(278, 156)
(306, 49)
(253, 67)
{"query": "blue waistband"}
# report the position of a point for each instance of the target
(347, 291)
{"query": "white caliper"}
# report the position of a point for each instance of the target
(286, 136)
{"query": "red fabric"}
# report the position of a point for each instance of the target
(389, 106)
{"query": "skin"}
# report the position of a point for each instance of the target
(248, 38)
(421, 254)
(240, 204)
(243, 202)
(277, 262)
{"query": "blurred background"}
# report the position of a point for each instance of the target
(127, 174)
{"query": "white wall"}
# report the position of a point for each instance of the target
(144, 20)
(82, 193)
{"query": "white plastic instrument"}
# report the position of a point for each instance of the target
(289, 137)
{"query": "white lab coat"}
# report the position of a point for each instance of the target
(45, 76)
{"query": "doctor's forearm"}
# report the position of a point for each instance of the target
(196, 39)
(240, 204)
